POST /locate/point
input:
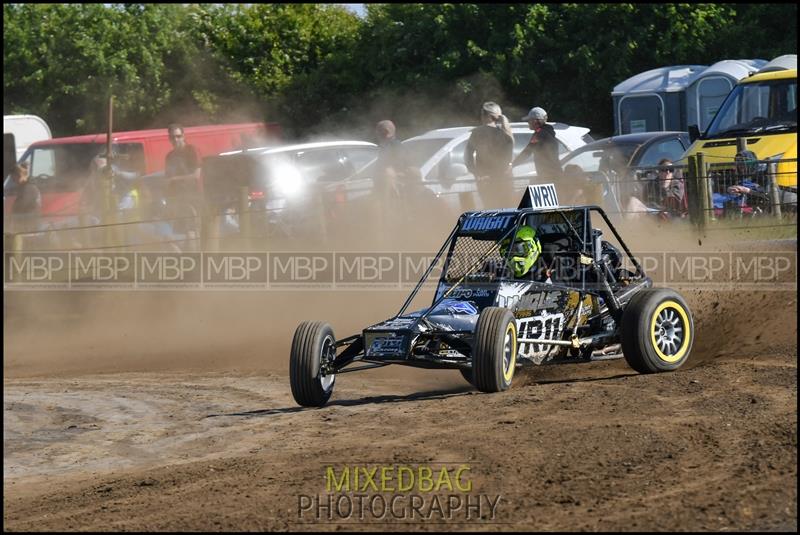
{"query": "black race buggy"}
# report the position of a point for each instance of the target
(586, 301)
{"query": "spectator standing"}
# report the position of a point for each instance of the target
(488, 156)
(399, 183)
(182, 171)
(182, 163)
(543, 146)
(25, 212)
(28, 198)
(394, 171)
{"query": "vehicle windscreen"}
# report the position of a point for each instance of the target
(590, 159)
(420, 151)
(484, 244)
(757, 108)
(66, 167)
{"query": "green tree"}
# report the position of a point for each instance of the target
(63, 61)
(296, 57)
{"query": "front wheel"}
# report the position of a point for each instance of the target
(312, 346)
(657, 331)
(494, 354)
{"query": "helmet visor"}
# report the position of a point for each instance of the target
(520, 248)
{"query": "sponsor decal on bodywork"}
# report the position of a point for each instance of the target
(386, 345)
(545, 326)
(479, 223)
(509, 293)
(455, 306)
(397, 323)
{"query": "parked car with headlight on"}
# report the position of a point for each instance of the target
(279, 186)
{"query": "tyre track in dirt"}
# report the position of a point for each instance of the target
(714, 446)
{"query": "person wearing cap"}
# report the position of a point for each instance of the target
(543, 146)
(488, 156)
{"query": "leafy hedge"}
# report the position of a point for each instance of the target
(319, 67)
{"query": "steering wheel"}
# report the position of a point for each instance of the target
(759, 121)
(43, 176)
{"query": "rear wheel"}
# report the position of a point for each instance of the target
(313, 345)
(494, 355)
(657, 331)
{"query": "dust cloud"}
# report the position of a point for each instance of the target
(78, 332)
(92, 331)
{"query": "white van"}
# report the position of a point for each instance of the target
(27, 129)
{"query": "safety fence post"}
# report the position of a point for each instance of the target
(206, 228)
(467, 200)
(772, 188)
(692, 190)
(108, 208)
(17, 247)
(704, 183)
(85, 233)
(244, 212)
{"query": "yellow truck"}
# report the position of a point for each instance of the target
(761, 109)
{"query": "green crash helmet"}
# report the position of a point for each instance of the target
(525, 250)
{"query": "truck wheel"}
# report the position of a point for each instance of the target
(313, 344)
(494, 354)
(657, 331)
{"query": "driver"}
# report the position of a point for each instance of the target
(524, 258)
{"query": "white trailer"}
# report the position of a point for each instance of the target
(27, 129)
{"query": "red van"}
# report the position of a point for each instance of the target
(59, 167)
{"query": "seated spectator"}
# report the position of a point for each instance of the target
(748, 195)
(584, 189)
(672, 189)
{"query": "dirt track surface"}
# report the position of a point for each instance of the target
(117, 418)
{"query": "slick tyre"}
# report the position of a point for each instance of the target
(313, 344)
(494, 355)
(657, 331)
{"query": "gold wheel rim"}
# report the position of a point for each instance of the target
(670, 332)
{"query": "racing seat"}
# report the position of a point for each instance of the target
(559, 255)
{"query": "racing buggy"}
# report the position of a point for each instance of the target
(492, 312)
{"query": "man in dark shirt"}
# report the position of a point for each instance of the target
(488, 157)
(394, 171)
(398, 183)
(182, 164)
(543, 146)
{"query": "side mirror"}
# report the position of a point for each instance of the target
(450, 172)
(694, 133)
(9, 153)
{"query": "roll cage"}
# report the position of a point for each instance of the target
(586, 242)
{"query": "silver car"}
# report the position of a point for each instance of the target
(439, 155)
